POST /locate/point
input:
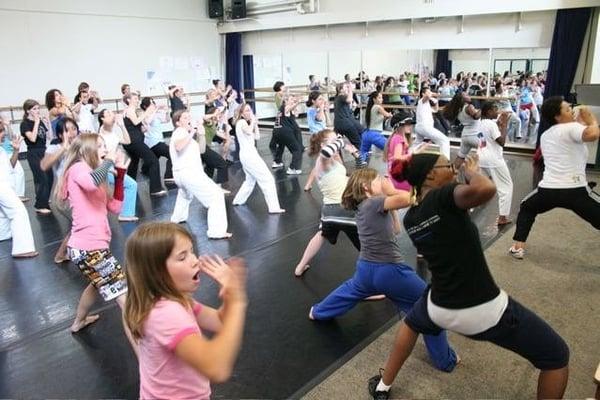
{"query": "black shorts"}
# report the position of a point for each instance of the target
(519, 330)
(335, 218)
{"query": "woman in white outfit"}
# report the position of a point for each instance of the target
(16, 174)
(246, 130)
(460, 108)
(491, 158)
(424, 128)
(14, 221)
(187, 143)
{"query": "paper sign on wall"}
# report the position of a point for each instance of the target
(166, 63)
(197, 63)
(181, 63)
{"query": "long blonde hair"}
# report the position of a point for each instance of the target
(148, 280)
(355, 191)
(83, 148)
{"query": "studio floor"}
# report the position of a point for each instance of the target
(284, 354)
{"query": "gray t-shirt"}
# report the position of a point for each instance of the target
(378, 242)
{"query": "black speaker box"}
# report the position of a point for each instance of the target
(238, 9)
(215, 8)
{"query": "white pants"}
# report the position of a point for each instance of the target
(17, 179)
(197, 184)
(14, 221)
(504, 187)
(257, 172)
(468, 143)
(437, 137)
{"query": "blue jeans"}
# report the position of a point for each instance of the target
(129, 195)
(400, 284)
(371, 137)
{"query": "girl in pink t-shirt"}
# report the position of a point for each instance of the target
(83, 186)
(397, 148)
(176, 361)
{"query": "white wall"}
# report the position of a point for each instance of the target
(478, 60)
(331, 12)
(484, 31)
(106, 43)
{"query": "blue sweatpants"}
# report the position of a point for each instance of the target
(129, 195)
(400, 284)
(369, 138)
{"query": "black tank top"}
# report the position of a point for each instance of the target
(135, 131)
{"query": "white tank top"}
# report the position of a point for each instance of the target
(470, 124)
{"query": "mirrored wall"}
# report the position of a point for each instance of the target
(522, 97)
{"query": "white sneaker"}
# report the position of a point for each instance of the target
(519, 254)
(276, 165)
(293, 171)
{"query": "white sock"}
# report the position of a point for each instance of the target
(382, 387)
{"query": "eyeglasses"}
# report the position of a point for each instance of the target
(449, 165)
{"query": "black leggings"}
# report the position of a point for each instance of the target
(213, 160)
(352, 129)
(579, 200)
(137, 150)
(42, 180)
(162, 150)
(293, 141)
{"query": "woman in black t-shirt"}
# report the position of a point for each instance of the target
(176, 97)
(464, 297)
(137, 148)
(287, 133)
(36, 133)
(344, 121)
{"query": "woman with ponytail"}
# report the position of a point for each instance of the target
(463, 296)
(317, 112)
(380, 268)
(460, 108)
(375, 116)
(255, 169)
(330, 173)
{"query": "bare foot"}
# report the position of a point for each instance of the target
(79, 325)
(227, 235)
(280, 211)
(503, 221)
(300, 269)
(31, 254)
(375, 297)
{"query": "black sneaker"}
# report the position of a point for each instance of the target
(360, 163)
(377, 395)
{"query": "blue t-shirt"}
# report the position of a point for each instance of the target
(6, 145)
(154, 135)
(314, 126)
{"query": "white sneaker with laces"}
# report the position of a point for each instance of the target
(276, 165)
(519, 254)
(293, 171)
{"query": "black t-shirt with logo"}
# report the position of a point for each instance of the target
(42, 131)
(445, 235)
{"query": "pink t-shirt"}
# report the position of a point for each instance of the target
(162, 374)
(90, 205)
(397, 140)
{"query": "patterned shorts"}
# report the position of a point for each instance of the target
(102, 270)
